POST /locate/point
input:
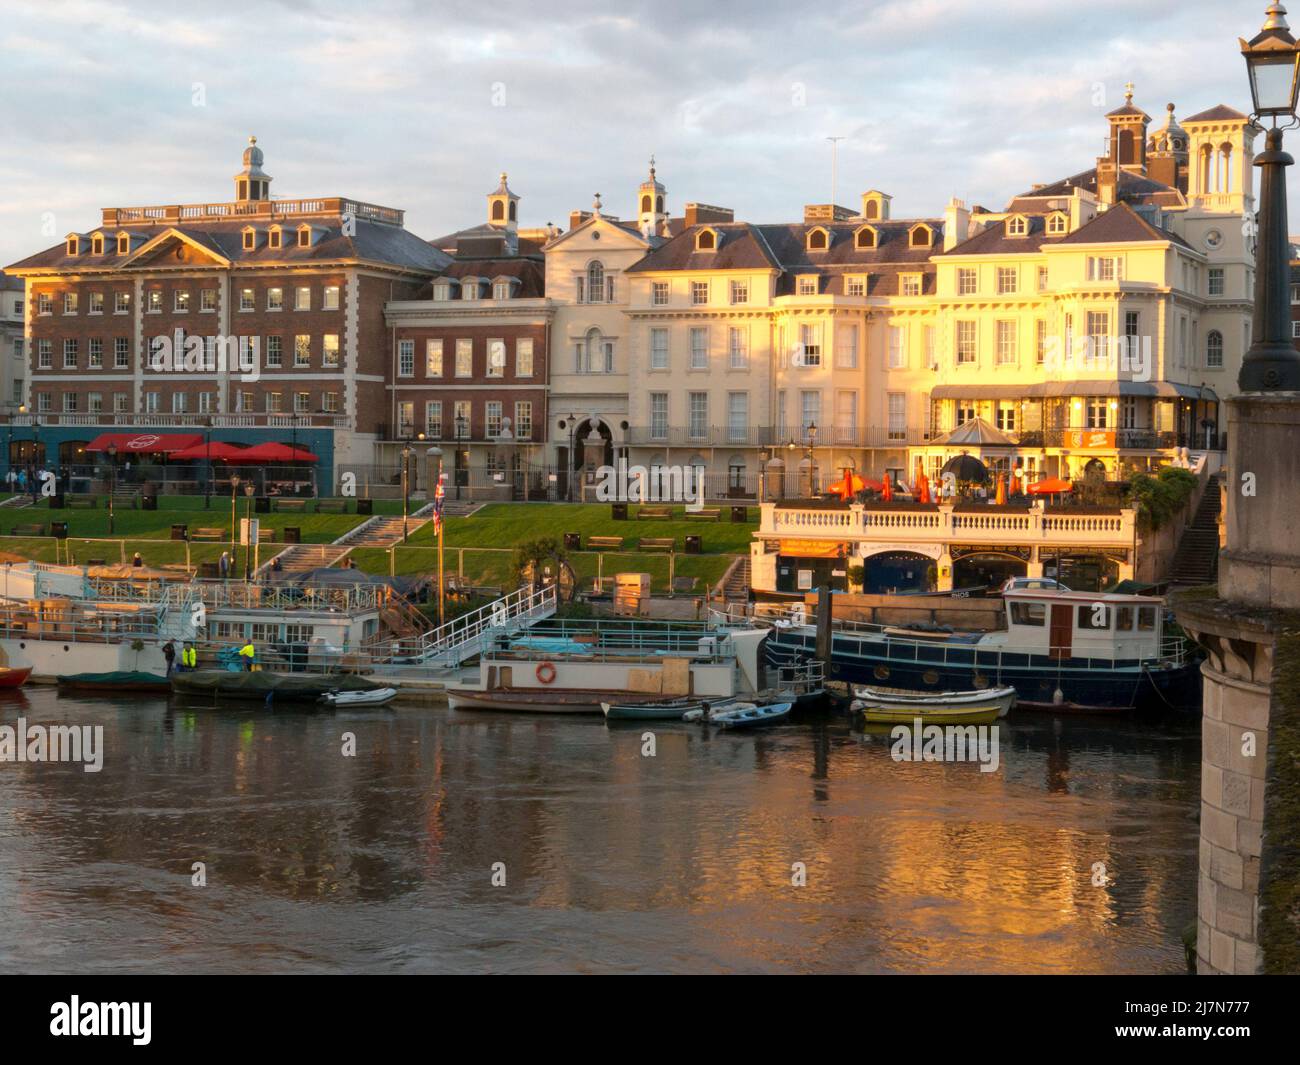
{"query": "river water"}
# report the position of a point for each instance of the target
(612, 861)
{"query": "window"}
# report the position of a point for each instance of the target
(433, 358)
(1006, 343)
(698, 406)
(865, 238)
(524, 357)
(897, 402)
(302, 402)
(492, 417)
(274, 352)
(846, 418)
(1098, 412)
(706, 240)
(121, 302)
(302, 350)
(95, 353)
(523, 421)
(595, 281)
(69, 303)
(1017, 226)
(501, 290)
(304, 237)
(121, 353)
(658, 415)
(95, 403)
(897, 335)
(737, 347)
(462, 417)
(96, 304)
(1008, 281)
(1023, 613)
(855, 286)
(247, 301)
(1057, 224)
(123, 244)
(1214, 349)
(442, 291)
(496, 358)
(43, 402)
(464, 358)
(1040, 341)
(967, 350)
(273, 237)
(178, 402)
(1102, 268)
(207, 402)
(433, 419)
(96, 245)
(70, 402)
(208, 299)
(250, 240)
(737, 416)
(807, 285)
(302, 298)
(120, 402)
(659, 293)
(1098, 334)
(151, 402)
(1005, 415)
(920, 237)
(846, 347)
(740, 292)
(817, 240)
(966, 281)
(274, 402)
(274, 299)
(1042, 279)
(810, 410)
(406, 358)
(810, 346)
(69, 354)
(180, 301)
(699, 347)
(965, 410)
(658, 349)
(330, 350)
(699, 292)
(931, 356)
(1093, 617)
(154, 304)
(330, 301)
(44, 354)
(1216, 280)
(910, 285)
(406, 418)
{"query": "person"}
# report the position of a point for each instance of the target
(223, 566)
(189, 657)
(169, 653)
(248, 653)
(138, 560)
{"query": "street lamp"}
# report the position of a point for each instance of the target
(406, 486)
(207, 443)
(112, 483)
(249, 489)
(812, 441)
(234, 487)
(460, 435)
(1273, 63)
(435, 453)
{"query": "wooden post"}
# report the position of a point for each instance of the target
(824, 624)
(672, 571)
(392, 561)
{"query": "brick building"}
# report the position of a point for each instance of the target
(273, 311)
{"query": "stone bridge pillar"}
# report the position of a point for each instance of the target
(1249, 876)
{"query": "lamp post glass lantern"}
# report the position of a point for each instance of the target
(1273, 63)
(112, 483)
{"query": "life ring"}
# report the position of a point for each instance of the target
(546, 673)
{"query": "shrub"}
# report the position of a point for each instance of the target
(1160, 498)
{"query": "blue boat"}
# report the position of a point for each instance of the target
(1085, 652)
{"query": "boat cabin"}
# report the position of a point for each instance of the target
(1082, 624)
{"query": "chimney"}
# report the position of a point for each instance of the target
(698, 213)
(956, 223)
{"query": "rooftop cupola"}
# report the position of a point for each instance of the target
(252, 182)
(503, 207)
(651, 210)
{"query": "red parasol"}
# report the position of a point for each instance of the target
(217, 451)
(1049, 486)
(849, 486)
(272, 452)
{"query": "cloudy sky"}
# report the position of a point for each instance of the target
(420, 105)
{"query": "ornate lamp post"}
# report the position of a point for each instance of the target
(112, 483)
(406, 486)
(812, 461)
(1273, 61)
(249, 489)
(435, 456)
(234, 550)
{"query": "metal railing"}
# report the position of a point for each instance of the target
(470, 634)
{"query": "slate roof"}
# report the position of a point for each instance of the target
(995, 241)
(529, 269)
(1121, 225)
(374, 242)
(1218, 113)
(1131, 188)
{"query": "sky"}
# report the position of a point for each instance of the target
(421, 105)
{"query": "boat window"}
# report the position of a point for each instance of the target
(1094, 617)
(1124, 618)
(1146, 619)
(1028, 614)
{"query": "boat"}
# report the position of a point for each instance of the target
(1071, 652)
(742, 715)
(873, 713)
(128, 680)
(1004, 698)
(654, 710)
(14, 677)
(266, 686)
(531, 700)
(374, 697)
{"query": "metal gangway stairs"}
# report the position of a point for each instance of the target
(451, 644)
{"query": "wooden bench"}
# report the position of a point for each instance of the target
(265, 536)
(82, 502)
(604, 543)
(656, 543)
(291, 504)
(208, 535)
(646, 513)
(331, 506)
(707, 514)
(684, 585)
(28, 530)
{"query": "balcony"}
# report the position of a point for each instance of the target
(152, 420)
(775, 437)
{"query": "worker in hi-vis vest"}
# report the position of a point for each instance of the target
(189, 657)
(246, 653)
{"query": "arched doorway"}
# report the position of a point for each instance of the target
(986, 569)
(587, 454)
(898, 571)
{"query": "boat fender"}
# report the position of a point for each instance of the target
(546, 672)
(1058, 697)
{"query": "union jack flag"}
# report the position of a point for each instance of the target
(439, 498)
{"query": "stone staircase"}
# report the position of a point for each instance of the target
(300, 557)
(382, 531)
(736, 582)
(1197, 559)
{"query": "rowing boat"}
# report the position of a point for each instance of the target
(907, 714)
(741, 715)
(375, 697)
(898, 698)
(14, 677)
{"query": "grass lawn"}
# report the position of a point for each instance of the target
(157, 524)
(510, 524)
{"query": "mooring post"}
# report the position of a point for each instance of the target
(824, 623)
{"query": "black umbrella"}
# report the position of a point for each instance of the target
(967, 468)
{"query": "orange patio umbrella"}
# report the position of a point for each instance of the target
(887, 491)
(1015, 488)
(1049, 486)
(1001, 496)
(850, 485)
(923, 492)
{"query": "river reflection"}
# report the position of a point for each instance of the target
(613, 861)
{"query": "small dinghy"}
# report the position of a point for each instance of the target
(742, 715)
(893, 698)
(14, 677)
(375, 697)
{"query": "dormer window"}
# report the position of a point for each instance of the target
(807, 285)
(442, 290)
(501, 289)
(706, 240)
(865, 238)
(123, 244)
(920, 236)
(1057, 224)
(819, 239)
(304, 236)
(97, 244)
(250, 238)
(273, 237)
(469, 289)
(74, 246)
(1017, 226)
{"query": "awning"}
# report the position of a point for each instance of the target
(144, 443)
(1059, 389)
